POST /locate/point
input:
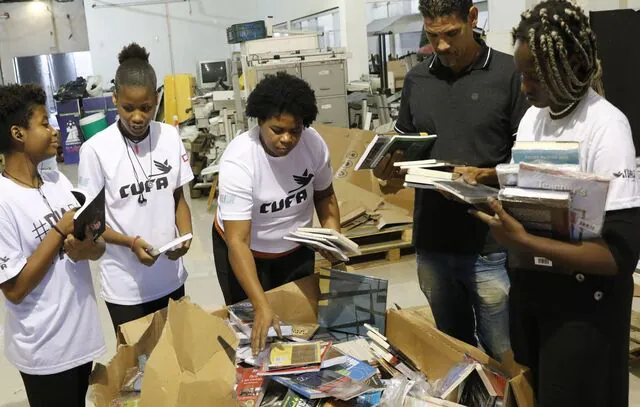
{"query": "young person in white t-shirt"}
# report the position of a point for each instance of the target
(52, 326)
(572, 327)
(271, 179)
(143, 166)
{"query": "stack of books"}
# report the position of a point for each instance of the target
(552, 198)
(439, 176)
(328, 240)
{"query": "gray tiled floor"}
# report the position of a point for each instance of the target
(202, 287)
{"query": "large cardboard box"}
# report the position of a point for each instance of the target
(435, 353)
(191, 362)
(185, 346)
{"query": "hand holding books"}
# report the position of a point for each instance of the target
(505, 228)
(87, 249)
(141, 250)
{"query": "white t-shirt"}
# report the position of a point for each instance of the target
(57, 326)
(275, 193)
(108, 159)
(606, 144)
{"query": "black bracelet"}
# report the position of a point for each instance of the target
(59, 232)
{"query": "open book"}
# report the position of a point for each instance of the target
(90, 216)
(383, 144)
(329, 240)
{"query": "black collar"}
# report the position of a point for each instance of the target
(482, 62)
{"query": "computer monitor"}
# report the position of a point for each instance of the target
(211, 72)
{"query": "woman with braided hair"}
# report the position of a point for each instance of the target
(570, 324)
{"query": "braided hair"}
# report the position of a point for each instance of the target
(564, 49)
(134, 69)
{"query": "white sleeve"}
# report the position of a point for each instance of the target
(324, 173)
(12, 258)
(236, 191)
(90, 174)
(185, 174)
(614, 157)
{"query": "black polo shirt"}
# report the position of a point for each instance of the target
(475, 115)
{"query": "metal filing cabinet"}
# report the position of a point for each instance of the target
(326, 78)
(332, 111)
(329, 81)
(291, 69)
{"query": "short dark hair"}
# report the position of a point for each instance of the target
(558, 33)
(442, 8)
(135, 69)
(283, 93)
(17, 103)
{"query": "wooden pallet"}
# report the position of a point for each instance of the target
(378, 248)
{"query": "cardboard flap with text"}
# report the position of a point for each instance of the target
(346, 146)
(435, 353)
(194, 361)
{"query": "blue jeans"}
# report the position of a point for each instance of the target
(466, 292)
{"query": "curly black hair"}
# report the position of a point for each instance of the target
(283, 93)
(17, 103)
(442, 8)
(135, 69)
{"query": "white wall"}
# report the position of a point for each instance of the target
(198, 32)
(30, 31)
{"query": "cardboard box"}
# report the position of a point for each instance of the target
(345, 147)
(184, 352)
(191, 362)
(435, 353)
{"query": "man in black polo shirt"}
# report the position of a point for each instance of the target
(468, 95)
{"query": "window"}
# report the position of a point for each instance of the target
(326, 22)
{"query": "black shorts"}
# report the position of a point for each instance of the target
(272, 273)
(121, 314)
(68, 388)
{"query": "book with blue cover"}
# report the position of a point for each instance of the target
(344, 381)
(546, 152)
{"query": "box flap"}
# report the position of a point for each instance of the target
(435, 353)
(196, 351)
(296, 302)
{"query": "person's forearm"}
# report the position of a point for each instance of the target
(112, 237)
(244, 268)
(329, 212)
(38, 264)
(183, 216)
(590, 257)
